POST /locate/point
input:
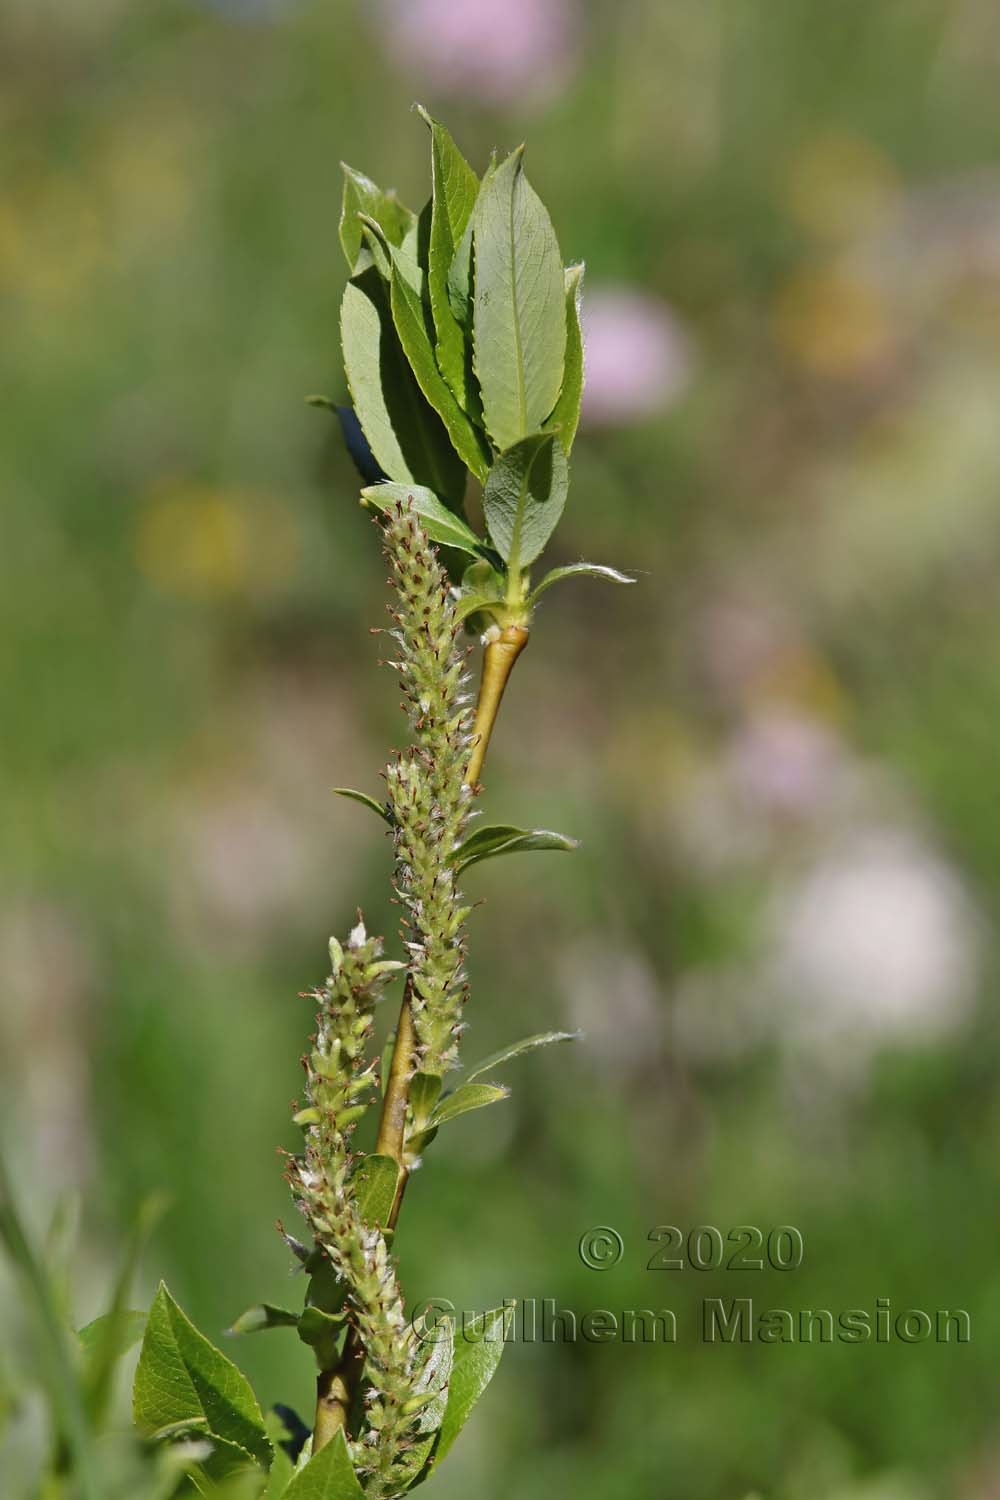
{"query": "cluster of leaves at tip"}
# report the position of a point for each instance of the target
(464, 359)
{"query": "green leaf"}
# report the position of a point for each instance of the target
(410, 320)
(503, 838)
(404, 258)
(415, 335)
(404, 433)
(327, 1476)
(365, 800)
(278, 1480)
(182, 1376)
(578, 570)
(482, 588)
(460, 272)
(326, 1290)
(440, 523)
(455, 188)
(115, 1332)
(466, 1097)
(378, 250)
(527, 1044)
(227, 1461)
(519, 317)
(128, 1330)
(524, 497)
(324, 1332)
(411, 255)
(460, 284)
(63, 1388)
(60, 1248)
(264, 1315)
(434, 1378)
(565, 417)
(374, 1183)
(476, 1356)
(425, 1089)
(361, 195)
(471, 604)
(481, 577)
(417, 1144)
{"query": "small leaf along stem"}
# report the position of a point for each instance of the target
(335, 1387)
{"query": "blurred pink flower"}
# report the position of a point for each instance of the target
(496, 50)
(638, 358)
(787, 764)
(739, 643)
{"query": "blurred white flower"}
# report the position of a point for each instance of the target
(247, 848)
(245, 855)
(878, 940)
(47, 977)
(492, 50)
(638, 358)
(876, 943)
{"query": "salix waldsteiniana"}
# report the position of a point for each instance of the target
(463, 354)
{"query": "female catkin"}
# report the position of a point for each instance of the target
(427, 791)
(428, 802)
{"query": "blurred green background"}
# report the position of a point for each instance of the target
(779, 749)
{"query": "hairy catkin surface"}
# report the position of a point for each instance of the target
(429, 803)
(338, 1076)
(429, 799)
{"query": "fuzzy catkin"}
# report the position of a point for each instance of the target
(428, 796)
(429, 804)
(338, 1074)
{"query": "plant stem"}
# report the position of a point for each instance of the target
(498, 663)
(335, 1387)
(333, 1395)
(392, 1125)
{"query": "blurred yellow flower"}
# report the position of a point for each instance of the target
(800, 677)
(52, 240)
(833, 323)
(150, 174)
(200, 542)
(840, 185)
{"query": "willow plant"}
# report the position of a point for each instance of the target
(464, 360)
